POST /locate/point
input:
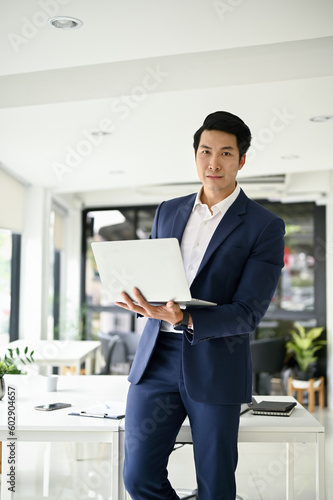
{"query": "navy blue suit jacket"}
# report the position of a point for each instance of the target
(240, 272)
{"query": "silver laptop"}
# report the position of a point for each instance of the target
(153, 266)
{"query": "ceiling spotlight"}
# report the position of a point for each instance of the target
(290, 157)
(100, 132)
(322, 118)
(65, 22)
(116, 172)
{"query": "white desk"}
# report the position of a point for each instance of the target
(58, 353)
(58, 426)
(32, 425)
(300, 427)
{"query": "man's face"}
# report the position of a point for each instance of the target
(218, 163)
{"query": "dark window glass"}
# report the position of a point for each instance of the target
(5, 283)
(110, 225)
(296, 287)
(10, 257)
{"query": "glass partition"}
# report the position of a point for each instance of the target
(110, 225)
(296, 287)
(5, 283)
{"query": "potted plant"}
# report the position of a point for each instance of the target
(11, 364)
(4, 368)
(16, 359)
(303, 345)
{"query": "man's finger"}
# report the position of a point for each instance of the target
(140, 300)
(128, 301)
(121, 304)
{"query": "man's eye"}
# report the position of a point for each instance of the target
(225, 153)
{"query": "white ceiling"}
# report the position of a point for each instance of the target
(149, 72)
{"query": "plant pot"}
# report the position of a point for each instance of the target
(2, 387)
(302, 375)
(307, 374)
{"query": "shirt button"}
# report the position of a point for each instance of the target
(197, 244)
(190, 268)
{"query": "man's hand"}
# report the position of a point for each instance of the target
(170, 312)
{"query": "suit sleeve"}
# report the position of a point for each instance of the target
(257, 284)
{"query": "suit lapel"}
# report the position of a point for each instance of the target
(181, 218)
(229, 222)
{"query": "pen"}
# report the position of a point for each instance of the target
(86, 414)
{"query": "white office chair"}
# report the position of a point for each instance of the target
(187, 494)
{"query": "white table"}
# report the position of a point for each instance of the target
(300, 427)
(59, 353)
(32, 425)
(57, 426)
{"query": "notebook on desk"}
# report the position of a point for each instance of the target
(275, 408)
(154, 266)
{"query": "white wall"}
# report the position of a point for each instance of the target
(34, 258)
(35, 265)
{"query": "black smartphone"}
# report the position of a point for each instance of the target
(52, 406)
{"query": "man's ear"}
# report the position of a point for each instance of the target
(241, 162)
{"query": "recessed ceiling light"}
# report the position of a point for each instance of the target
(100, 133)
(289, 157)
(65, 22)
(116, 172)
(322, 118)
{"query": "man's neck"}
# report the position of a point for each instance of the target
(213, 198)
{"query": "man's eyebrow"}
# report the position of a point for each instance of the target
(223, 147)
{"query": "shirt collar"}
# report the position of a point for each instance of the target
(222, 205)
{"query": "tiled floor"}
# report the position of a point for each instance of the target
(260, 473)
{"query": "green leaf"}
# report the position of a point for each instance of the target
(303, 345)
(314, 333)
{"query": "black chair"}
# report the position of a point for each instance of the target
(118, 349)
(113, 351)
(131, 340)
(267, 358)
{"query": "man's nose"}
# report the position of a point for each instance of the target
(214, 163)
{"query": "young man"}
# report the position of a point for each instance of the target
(197, 362)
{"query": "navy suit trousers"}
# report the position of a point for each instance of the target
(156, 409)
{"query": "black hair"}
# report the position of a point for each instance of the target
(229, 123)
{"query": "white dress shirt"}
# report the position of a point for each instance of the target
(198, 232)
